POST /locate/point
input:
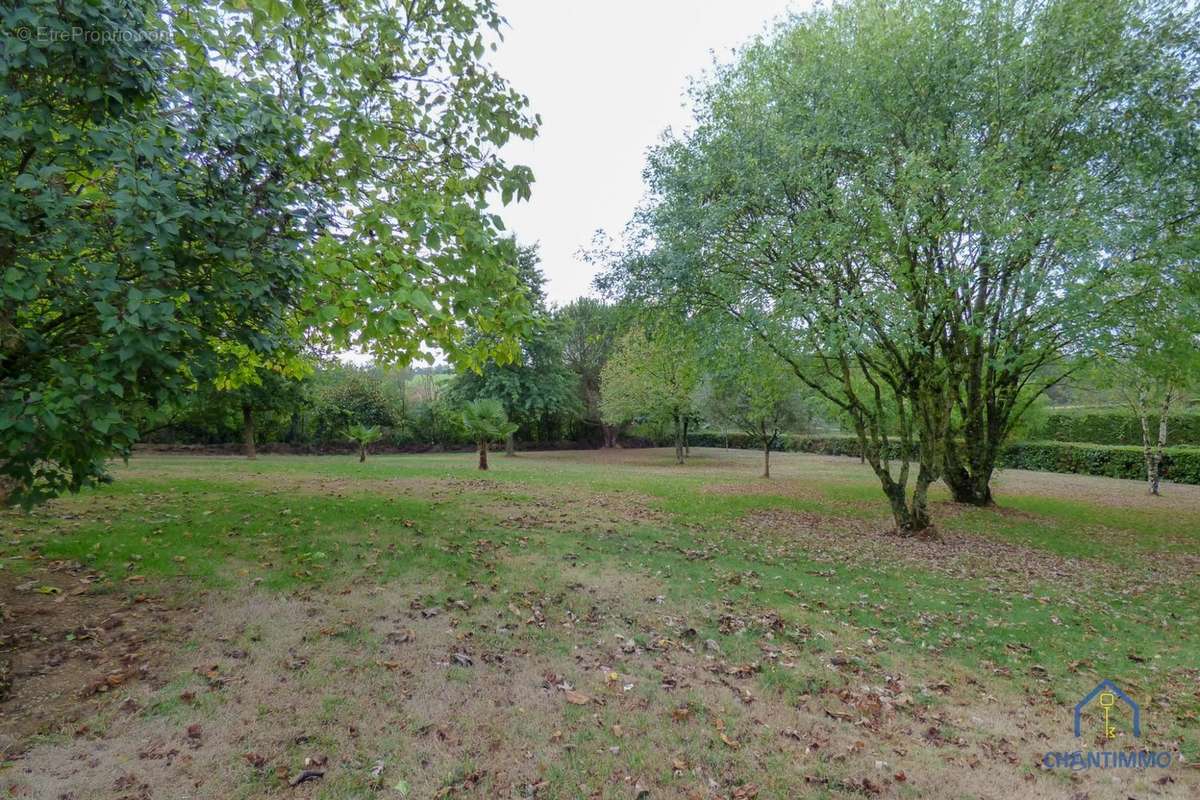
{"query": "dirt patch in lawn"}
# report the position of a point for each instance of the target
(595, 687)
(68, 642)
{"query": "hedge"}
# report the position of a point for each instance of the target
(1113, 426)
(1180, 464)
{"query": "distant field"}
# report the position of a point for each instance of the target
(599, 624)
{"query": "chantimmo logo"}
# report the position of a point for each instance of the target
(1113, 705)
(1106, 694)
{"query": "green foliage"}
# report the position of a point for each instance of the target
(753, 391)
(258, 173)
(929, 201)
(402, 121)
(650, 375)
(1180, 464)
(485, 421)
(363, 434)
(537, 389)
(141, 222)
(1109, 426)
(342, 395)
(590, 329)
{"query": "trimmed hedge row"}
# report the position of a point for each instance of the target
(1113, 427)
(1180, 464)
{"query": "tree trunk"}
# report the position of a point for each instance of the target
(972, 489)
(610, 435)
(678, 440)
(510, 445)
(1154, 464)
(483, 455)
(1147, 444)
(362, 452)
(687, 449)
(767, 442)
(248, 430)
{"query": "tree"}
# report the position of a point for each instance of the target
(142, 222)
(402, 122)
(363, 435)
(536, 388)
(755, 392)
(589, 331)
(927, 210)
(266, 172)
(651, 374)
(1152, 359)
(485, 421)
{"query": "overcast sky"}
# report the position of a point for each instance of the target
(607, 77)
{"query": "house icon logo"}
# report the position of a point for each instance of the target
(1107, 694)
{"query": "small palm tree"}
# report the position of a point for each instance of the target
(362, 435)
(486, 421)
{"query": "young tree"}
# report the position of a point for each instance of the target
(485, 421)
(536, 388)
(651, 374)
(927, 211)
(1152, 359)
(590, 329)
(363, 435)
(759, 395)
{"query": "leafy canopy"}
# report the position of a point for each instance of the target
(485, 420)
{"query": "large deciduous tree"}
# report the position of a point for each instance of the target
(142, 222)
(181, 177)
(923, 200)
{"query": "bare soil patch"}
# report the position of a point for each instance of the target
(70, 643)
(367, 689)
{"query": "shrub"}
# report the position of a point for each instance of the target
(1180, 464)
(1112, 426)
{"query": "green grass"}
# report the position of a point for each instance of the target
(219, 523)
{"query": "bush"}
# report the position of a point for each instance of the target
(1180, 464)
(1112, 426)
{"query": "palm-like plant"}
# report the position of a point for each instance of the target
(362, 435)
(486, 421)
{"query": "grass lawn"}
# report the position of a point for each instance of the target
(589, 625)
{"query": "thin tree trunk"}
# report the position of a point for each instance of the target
(678, 440)
(767, 441)
(248, 430)
(1156, 470)
(687, 448)
(1147, 442)
(510, 445)
(483, 455)
(362, 452)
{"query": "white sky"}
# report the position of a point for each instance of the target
(607, 76)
